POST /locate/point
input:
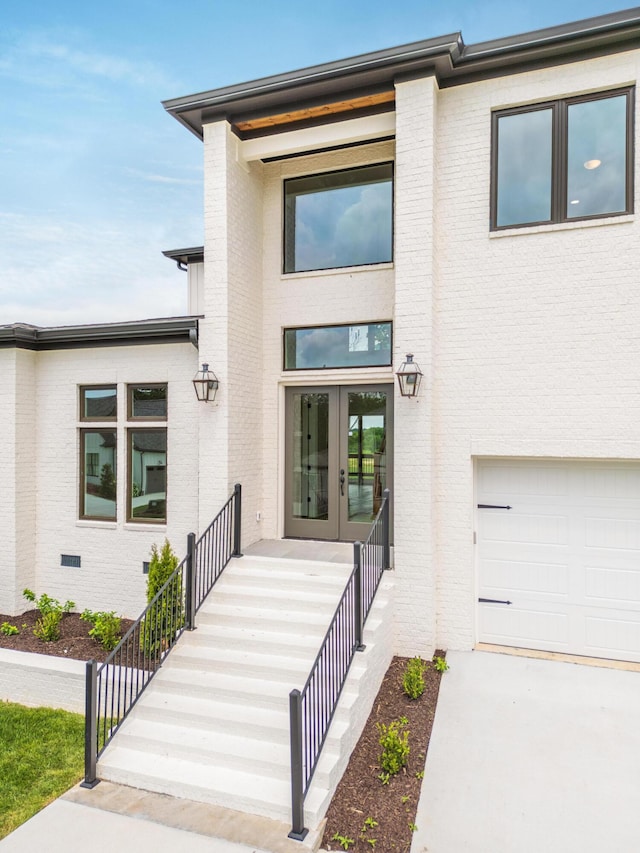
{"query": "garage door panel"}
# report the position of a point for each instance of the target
(612, 482)
(612, 587)
(615, 635)
(527, 627)
(524, 480)
(567, 555)
(524, 528)
(612, 533)
(501, 576)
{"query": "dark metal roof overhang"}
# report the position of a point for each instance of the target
(195, 255)
(173, 330)
(447, 57)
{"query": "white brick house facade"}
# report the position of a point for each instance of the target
(527, 337)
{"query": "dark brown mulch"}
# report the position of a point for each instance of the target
(361, 795)
(74, 641)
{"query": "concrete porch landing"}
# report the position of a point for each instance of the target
(302, 549)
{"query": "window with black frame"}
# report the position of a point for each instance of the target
(563, 160)
(339, 219)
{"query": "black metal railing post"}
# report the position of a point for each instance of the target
(386, 529)
(357, 597)
(298, 832)
(90, 726)
(190, 592)
(237, 519)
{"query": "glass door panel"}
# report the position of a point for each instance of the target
(365, 454)
(311, 462)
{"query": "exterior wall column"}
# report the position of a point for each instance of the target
(415, 628)
(231, 331)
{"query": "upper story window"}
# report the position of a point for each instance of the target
(563, 160)
(339, 219)
(98, 403)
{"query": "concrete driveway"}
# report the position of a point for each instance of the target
(532, 756)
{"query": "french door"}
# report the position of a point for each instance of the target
(338, 447)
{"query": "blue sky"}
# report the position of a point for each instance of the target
(96, 179)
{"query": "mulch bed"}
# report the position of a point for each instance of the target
(361, 795)
(74, 641)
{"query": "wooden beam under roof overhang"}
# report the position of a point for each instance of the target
(314, 113)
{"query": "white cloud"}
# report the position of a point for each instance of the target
(162, 179)
(42, 60)
(67, 272)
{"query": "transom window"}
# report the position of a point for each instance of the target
(339, 219)
(357, 345)
(563, 160)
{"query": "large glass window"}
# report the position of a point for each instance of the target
(339, 219)
(358, 345)
(147, 475)
(98, 474)
(564, 160)
(146, 456)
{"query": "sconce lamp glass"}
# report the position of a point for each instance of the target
(409, 376)
(205, 383)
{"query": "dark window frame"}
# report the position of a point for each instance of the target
(286, 329)
(132, 386)
(82, 516)
(559, 157)
(130, 518)
(288, 242)
(108, 386)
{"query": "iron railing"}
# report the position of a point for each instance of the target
(311, 709)
(114, 687)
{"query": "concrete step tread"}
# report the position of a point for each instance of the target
(167, 738)
(209, 713)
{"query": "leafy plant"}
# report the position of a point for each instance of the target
(8, 630)
(47, 627)
(440, 664)
(394, 740)
(369, 824)
(106, 627)
(343, 841)
(165, 619)
(419, 774)
(412, 826)
(413, 678)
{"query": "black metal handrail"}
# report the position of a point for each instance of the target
(114, 687)
(311, 709)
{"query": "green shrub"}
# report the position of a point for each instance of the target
(394, 740)
(106, 627)
(163, 622)
(8, 630)
(440, 664)
(47, 626)
(413, 678)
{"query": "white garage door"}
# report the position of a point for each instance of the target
(560, 568)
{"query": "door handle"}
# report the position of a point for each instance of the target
(342, 482)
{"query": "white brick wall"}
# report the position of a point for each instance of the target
(41, 459)
(536, 329)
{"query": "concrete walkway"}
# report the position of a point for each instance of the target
(114, 817)
(532, 755)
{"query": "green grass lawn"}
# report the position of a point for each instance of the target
(41, 756)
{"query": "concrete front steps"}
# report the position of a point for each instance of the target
(213, 726)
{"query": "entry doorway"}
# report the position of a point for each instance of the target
(339, 459)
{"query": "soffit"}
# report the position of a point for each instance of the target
(364, 84)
